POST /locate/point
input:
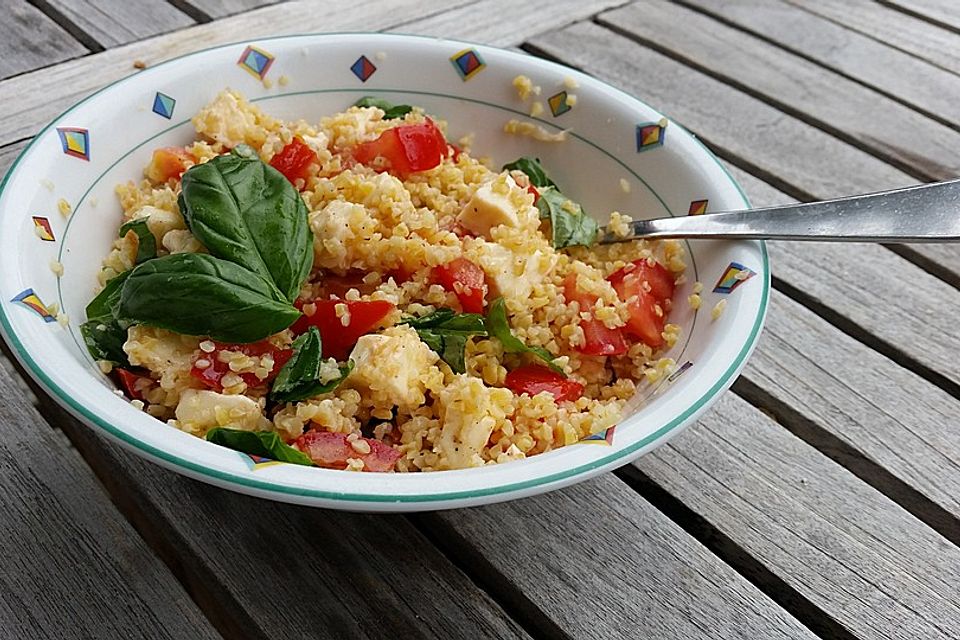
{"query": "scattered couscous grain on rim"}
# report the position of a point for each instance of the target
(592, 321)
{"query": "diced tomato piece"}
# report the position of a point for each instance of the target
(294, 160)
(536, 194)
(332, 450)
(212, 374)
(662, 282)
(534, 378)
(337, 340)
(407, 148)
(130, 382)
(454, 151)
(467, 280)
(598, 338)
(167, 163)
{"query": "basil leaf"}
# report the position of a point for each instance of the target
(104, 305)
(266, 444)
(533, 169)
(201, 295)
(571, 226)
(146, 242)
(299, 378)
(499, 328)
(104, 339)
(247, 212)
(390, 110)
(446, 333)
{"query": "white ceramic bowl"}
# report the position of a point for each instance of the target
(108, 138)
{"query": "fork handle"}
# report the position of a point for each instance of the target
(924, 213)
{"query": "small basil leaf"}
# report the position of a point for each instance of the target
(299, 379)
(105, 304)
(247, 212)
(390, 110)
(201, 295)
(146, 242)
(570, 225)
(446, 333)
(533, 169)
(266, 444)
(499, 328)
(104, 339)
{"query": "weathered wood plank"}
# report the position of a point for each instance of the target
(8, 154)
(946, 256)
(114, 22)
(892, 28)
(921, 146)
(943, 12)
(223, 8)
(485, 21)
(904, 77)
(70, 565)
(845, 547)
(32, 40)
(804, 157)
(33, 99)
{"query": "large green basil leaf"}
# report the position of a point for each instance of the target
(104, 305)
(499, 328)
(570, 225)
(266, 444)
(390, 111)
(245, 211)
(146, 242)
(299, 378)
(533, 169)
(104, 339)
(446, 332)
(201, 295)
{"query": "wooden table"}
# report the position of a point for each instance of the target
(820, 498)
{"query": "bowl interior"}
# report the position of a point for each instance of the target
(611, 137)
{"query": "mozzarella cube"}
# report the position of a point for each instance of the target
(492, 205)
(469, 411)
(514, 275)
(201, 410)
(394, 367)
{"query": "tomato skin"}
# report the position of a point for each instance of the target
(332, 450)
(212, 376)
(128, 381)
(472, 289)
(536, 194)
(645, 323)
(167, 163)
(598, 338)
(407, 148)
(294, 160)
(534, 378)
(337, 340)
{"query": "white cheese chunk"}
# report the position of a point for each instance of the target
(200, 411)
(492, 205)
(393, 367)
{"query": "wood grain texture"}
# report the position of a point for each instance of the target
(33, 99)
(864, 561)
(8, 154)
(223, 8)
(915, 82)
(31, 40)
(892, 28)
(894, 132)
(731, 122)
(70, 565)
(941, 12)
(115, 22)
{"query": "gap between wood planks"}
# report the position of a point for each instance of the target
(68, 25)
(920, 15)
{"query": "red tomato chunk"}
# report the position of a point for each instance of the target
(407, 148)
(133, 384)
(337, 338)
(647, 289)
(333, 449)
(599, 339)
(294, 160)
(465, 279)
(533, 379)
(213, 372)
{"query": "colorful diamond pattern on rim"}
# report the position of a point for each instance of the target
(363, 68)
(468, 63)
(32, 301)
(163, 105)
(255, 463)
(679, 372)
(651, 134)
(42, 228)
(734, 275)
(75, 142)
(558, 104)
(256, 61)
(603, 437)
(697, 207)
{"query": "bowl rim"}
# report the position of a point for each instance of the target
(279, 490)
